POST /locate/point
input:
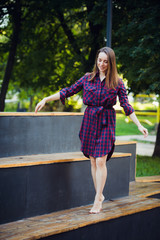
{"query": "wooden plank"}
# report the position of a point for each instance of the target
(144, 189)
(39, 159)
(119, 142)
(63, 221)
(15, 114)
(148, 179)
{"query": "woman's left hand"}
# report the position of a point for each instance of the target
(143, 130)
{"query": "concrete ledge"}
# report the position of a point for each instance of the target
(155, 178)
(29, 114)
(41, 159)
(127, 217)
(47, 133)
(27, 191)
(39, 134)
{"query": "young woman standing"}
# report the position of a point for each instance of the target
(97, 134)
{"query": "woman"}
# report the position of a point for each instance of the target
(97, 133)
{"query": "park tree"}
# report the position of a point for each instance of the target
(56, 42)
(136, 40)
(13, 10)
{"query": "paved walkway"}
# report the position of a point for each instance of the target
(146, 147)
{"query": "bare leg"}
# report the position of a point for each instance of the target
(93, 170)
(101, 176)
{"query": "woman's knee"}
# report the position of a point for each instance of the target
(93, 161)
(101, 161)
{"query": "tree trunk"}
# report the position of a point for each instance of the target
(156, 152)
(30, 103)
(95, 32)
(14, 42)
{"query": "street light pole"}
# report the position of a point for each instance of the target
(109, 22)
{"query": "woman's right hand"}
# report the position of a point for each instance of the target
(40, 105)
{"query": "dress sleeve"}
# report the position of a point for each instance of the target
(73, 89)
(123, 98)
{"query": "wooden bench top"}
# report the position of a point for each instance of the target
(72, 219)
(121, 142)
(144, 189)
(23, 114)
(148, 179)
(39, 159)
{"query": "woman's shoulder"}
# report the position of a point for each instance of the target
(87, 76)
(120, 82)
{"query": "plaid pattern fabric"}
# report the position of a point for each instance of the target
(97, 132)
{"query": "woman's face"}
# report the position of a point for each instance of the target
(102, 62)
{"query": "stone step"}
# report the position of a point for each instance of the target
(40, 184)
(126, 218)
(46, 133)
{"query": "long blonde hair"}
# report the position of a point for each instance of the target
(112, 77)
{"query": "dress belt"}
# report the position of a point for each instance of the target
(99, 109)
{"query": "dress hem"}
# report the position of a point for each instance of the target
(109, 154)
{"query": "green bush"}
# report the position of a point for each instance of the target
(11, 107)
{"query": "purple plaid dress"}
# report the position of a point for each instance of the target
(97, 132)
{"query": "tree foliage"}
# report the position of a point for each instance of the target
(57, 42)
(137, 43)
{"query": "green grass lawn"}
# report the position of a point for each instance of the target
(147, 166)
(123, 128)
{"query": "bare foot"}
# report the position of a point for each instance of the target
(97, 206)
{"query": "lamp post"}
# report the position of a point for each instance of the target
(109, 22)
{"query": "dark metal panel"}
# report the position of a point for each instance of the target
(117, 184)
(13, 182)
(40, 189)
(35, 135)
(129, 148)
(61, 186)
(58, 186)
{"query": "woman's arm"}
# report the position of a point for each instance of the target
(63, 93)
(42, 103)
(123, 98)
(140, 127)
